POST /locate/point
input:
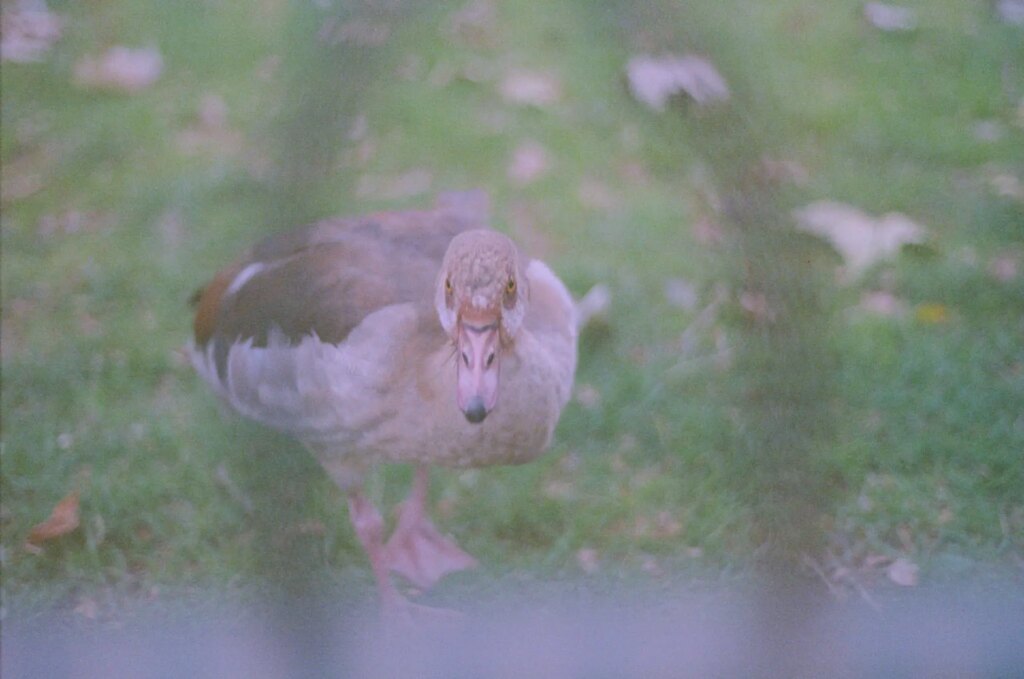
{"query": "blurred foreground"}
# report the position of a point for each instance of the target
(950, 633)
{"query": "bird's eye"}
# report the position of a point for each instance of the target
(448, 286)
(510, 288)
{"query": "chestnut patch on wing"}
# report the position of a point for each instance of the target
(207, 303)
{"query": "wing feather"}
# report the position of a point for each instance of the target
(325, 278)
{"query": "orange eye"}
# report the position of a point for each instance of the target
(510, 288)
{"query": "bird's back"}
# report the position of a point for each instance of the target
(326, 278)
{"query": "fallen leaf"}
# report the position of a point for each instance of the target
(531, 88)
(72, 222)
(756, 304)
(120, 69)
(475, 23)
(784, 172)
(559, 489)
(988, 131)
(596, 195)
(63, 519)
(530, 162)
(1007, 186)
(882, 303)
(588, 560)
(655, 80)
(707, 232)
(650, 565)
(903, 572)
(860, 239)
(27, 32)
(932, 313)
(25, 174)
(681, 294)
(890, 18)
(588, 396)
(666, 525)
(87, 608)
(1004, 268)
(358, 32)
(311, 527)
(210, 133)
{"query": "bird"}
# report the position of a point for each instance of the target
(421, 336)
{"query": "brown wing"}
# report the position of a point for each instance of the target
(327, 277)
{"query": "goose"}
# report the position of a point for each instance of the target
(420, 337)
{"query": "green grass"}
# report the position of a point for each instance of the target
(908, 435)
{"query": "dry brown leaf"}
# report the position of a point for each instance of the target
(210, 133)
(28, 32)
(707, 232)
(531, 88)
(681, 294)
(903, 572)
(530, 161)
(25, 174)
(655, 80)
(1007, 186)
(1004, 267)
(559, 489)
(87, 608)
(475, 23)
(596, 195)
(859, 238)
(890, 18)
(120, 69)
(650, 565)
(358, 32)
(588, 396)
(588, 560)
(780, 171)
(932, 313)
(882, 303)
(63, 519)
(873, 561)
(756, 304)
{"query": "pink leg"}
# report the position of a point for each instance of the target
(417, 550)
(369, 527)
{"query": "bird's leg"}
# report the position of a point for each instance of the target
(417, 550)
(397, 610)
(369, 528)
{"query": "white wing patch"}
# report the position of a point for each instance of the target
(243, 277)
(314, 390)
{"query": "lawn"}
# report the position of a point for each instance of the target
(746, 399)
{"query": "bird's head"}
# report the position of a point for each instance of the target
(481, 296)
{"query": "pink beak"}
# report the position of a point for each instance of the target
(479, 349)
